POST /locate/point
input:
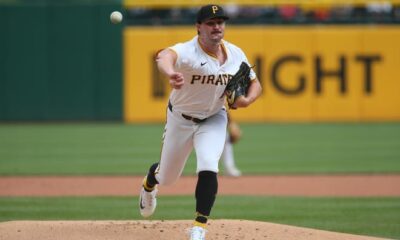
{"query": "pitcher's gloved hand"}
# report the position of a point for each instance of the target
(238, 85)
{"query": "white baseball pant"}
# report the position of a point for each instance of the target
(181, 136)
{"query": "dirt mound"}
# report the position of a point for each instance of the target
(161, 230)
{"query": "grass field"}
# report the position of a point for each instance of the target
(118, 149)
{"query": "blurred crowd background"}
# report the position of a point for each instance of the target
(380, 12)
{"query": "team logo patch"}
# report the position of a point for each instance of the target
(214, 9)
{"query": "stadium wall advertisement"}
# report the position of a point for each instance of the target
(309, 74)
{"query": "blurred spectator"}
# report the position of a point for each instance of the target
(379, 11)
(250, 12)
(321, 14)
(288, 12)
(342, 13)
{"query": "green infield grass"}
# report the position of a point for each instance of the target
(363, 216)
(123, 149)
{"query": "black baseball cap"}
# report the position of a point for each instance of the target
(211, 11)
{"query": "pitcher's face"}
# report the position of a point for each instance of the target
(212, 29)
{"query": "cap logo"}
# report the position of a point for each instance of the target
(214, 9)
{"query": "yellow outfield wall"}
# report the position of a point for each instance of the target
(308, 74)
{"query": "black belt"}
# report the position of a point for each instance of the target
(196, 120)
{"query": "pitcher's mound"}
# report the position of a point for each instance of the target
(161, 230)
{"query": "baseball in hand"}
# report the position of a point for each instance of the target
(116, 17)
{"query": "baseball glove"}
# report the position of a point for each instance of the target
(238, 85)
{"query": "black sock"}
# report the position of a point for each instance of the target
(206, 191)
(151, 180)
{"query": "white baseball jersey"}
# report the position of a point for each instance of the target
(205, 79)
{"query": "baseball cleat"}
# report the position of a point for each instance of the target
(197, 233)
(147, 202)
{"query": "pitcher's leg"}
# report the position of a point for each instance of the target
(209, 142)
(177, 146)
(206, 191)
